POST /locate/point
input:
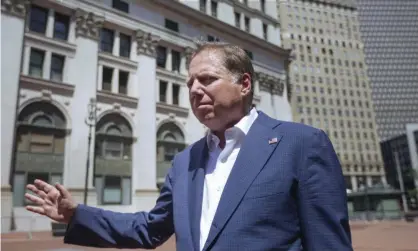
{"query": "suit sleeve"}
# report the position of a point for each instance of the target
(96, 227)
(322, 197)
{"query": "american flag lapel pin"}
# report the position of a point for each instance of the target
(272, 141)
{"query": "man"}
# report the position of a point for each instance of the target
(253, 183)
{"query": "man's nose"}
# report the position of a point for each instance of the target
(196, 89)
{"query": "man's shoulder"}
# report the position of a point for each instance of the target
(186, 152)
(296, 128)
(289, 128)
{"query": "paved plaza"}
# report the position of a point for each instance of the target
(376, 236)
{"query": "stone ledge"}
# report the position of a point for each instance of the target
(148, 191)
(5, 189)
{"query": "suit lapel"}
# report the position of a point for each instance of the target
(255, 151)
(198, 158)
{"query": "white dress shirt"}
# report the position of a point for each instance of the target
(218, 168)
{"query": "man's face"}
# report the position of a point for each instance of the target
(215, 96)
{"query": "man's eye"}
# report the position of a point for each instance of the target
(189, 84)
(207, 80)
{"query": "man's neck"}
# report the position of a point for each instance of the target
(221, 133)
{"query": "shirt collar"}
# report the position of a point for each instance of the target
(243, 126)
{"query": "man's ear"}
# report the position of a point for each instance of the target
(246, 84)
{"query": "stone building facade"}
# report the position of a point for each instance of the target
(115, 72)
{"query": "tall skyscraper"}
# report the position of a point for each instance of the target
(390, 33)
(331, 88)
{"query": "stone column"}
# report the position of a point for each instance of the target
(115, 81)
(266, 104)
(116, 44)
(288, 86)
(169, 93)
(87, 32)
(169, 60)
(46, 71)
(185, 60)
(50, 23)
(369, 181)
(13, 13)
(144, 177)
(281, 105)
(354, 183)
(273, 99)
(100, 77)
(26, 58)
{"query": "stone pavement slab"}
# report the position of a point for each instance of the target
(376, 236)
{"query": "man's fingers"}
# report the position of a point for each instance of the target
(42, 185)
(35, 199)
(35, 190)
(38, 210)
(64, 192)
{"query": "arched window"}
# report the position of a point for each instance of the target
(170, 141)
(113, 165)
(40, 146)
(114, 138)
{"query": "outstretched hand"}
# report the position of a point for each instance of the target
(54, 202)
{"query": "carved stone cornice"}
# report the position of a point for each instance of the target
(88, 24)
(270, 84)
(188, 52)
(278, 87)
(17, 8)
(146, 43)
(263, 82)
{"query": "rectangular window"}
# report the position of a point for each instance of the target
(41, 143)
(19, 189)
(36, 63)
(38, 19)
(176, 94)
(247, 24)
(213, 38)
(161, 56)
(112, 192)
(106, 40)
(57, 67)
(163, 91)
(123, 82)
(61, 26)
(263, 6)
(249, 53)
(175, 61)
(126, 190)
(265, 33)
(107, 78)
(120, 5)
(112, 149)
(30, 179)
(171, 25)
(237, 20)
(169, 153)
(202, 6)
(124, 45)
(214, 8)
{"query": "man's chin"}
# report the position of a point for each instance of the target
(207, 120)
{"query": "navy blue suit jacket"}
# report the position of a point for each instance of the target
(288, 195)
